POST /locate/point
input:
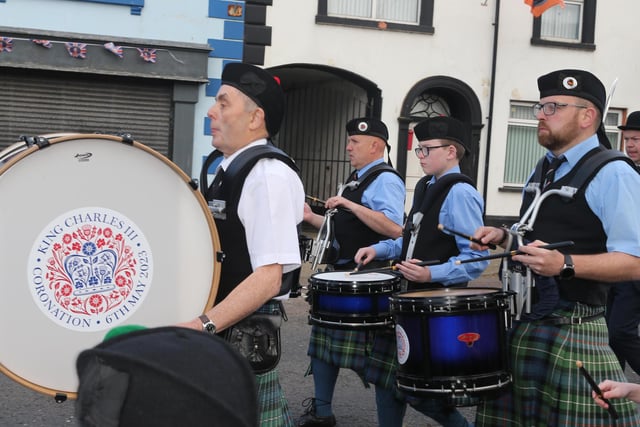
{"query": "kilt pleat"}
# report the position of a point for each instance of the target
(273, 407)
(369, 353)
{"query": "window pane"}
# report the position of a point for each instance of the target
(398, 10)
(351, 8)
(521, 111)
(611, 123)
(563, 23)
(523, 152)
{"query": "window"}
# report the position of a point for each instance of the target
(401, 15)
(611, 123)
(523, 150)
(563, 24)
(571, 26)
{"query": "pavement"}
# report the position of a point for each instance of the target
(354, 405)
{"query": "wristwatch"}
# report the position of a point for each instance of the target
(567, 272)
(207, 324)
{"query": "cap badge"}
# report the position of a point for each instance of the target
(570, 83)
(363, 126)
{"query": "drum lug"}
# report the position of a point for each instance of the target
(220, 256)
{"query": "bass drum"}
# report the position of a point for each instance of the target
(96, 231)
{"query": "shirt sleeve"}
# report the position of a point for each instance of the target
(461, 211)
(270, 208)
(614, 197)
(386, 194)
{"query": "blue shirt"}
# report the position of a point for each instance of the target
(613, 195)
(384, 194)
(461, 211)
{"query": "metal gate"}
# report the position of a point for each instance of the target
(319, 105)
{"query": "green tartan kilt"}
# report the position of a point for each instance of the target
(272, 405)
(370, 353)
(548, 389)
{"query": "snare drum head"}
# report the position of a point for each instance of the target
(95, 233)
(347, 277)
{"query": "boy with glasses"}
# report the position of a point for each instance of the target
(444, 196)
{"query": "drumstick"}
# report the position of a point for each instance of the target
(594, 386)
(557, 245)
(392, 267)
(315, 199)
(466, 236)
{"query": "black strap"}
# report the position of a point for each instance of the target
(555, 321)
(204, 171)
(373, 172)
(593, 164)
(441, 185)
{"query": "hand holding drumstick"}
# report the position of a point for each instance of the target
(616, 390)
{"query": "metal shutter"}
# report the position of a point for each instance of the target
(44, 102)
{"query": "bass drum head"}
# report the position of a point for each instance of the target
(95, 233)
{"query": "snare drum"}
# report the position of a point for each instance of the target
(95, 232)
(344, 301)
(452, 342)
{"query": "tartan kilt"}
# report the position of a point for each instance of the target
(548, 389)
(272, 405)
(370, 353)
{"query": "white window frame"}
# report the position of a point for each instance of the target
(518, 167)
(558, 14)
(344, 8)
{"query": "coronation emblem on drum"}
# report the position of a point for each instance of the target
(90, 269)
(402, 343)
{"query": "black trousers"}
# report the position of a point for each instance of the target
(623, 318)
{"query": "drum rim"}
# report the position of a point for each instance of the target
(215, 239)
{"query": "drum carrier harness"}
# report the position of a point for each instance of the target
(256, 337)
(518, 278)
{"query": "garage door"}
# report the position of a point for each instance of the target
(44, 102)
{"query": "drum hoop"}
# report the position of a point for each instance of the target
(353, 289)
(314, 280)
(215, 240)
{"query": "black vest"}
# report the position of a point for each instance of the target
(351, 233)
(431, 244)
(561, 219)
(236, 264)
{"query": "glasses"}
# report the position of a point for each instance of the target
(550, 108)
(633, 139)
(425, 150)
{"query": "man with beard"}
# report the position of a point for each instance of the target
(601, 219)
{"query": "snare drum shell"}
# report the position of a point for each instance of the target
(445, 336)
(343, 301)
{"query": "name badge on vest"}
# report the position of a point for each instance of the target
(218, 209)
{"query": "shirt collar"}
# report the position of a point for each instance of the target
(227, 160)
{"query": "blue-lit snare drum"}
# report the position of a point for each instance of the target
(452, 342)
(351, 301)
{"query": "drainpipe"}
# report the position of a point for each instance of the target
(496, 25)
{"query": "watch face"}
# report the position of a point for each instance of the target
(210, 327)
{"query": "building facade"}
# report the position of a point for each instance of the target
(400, 60)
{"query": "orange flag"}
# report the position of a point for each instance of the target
(538, 7)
